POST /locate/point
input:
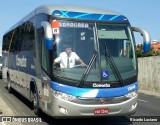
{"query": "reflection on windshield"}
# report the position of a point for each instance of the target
(118, 42)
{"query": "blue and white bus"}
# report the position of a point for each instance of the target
(103, 39)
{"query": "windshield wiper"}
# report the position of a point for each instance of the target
(92, 59)
(87, 70)
(112, 64)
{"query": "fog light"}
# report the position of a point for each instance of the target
(63, 110)
(133, 107)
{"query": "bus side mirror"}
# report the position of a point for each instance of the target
(146, 38)
(48, 34)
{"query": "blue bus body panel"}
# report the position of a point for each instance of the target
(94, 92)
(89, 16)
(22, 61)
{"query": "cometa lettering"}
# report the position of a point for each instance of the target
(101, 85)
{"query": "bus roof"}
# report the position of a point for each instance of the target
(65, 9)
(49, 9)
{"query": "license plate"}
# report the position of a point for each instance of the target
(101, 111)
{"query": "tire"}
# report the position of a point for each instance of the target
(34, 104)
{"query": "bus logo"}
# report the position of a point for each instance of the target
(102, 101)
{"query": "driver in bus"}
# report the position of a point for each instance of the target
(68, 58)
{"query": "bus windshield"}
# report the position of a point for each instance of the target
(86, 41)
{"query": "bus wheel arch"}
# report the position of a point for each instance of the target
(34, 97)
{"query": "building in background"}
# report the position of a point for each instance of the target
(155, 46)
(139, 46)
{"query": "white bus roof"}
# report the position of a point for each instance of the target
(49, 9)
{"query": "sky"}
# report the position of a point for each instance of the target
(141, 13)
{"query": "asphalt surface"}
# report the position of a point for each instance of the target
(16, 105)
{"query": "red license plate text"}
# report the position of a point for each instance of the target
(101, 111)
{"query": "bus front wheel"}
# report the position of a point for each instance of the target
(34, 103)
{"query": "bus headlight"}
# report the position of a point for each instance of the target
(63, 96)
(131, 94)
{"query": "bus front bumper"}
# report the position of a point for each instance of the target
(63, 108)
